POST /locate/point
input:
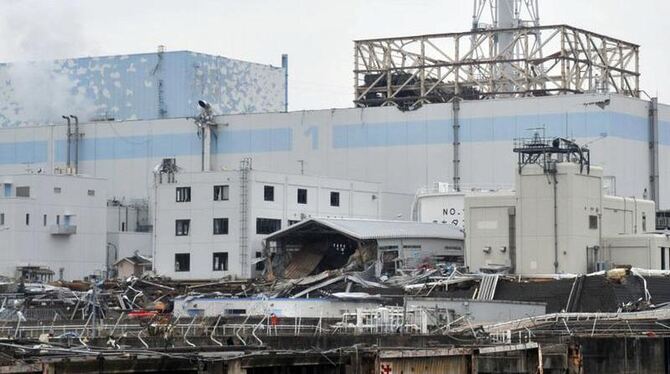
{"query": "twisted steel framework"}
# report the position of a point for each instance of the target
(534, 61)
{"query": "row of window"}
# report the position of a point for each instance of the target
(220, 226)
(44, 219)
(24, 191)
(301, 198)
(183, 226)
(182, 262)
(222, 193)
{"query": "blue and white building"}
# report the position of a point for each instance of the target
(143, 86)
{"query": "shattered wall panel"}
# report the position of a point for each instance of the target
(140, 86)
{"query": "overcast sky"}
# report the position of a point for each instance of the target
(317, 34)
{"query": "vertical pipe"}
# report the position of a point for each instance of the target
(456, 108)
(206, 147)
(284, 65)
(554, 171)
(69, 136)
(653, 151)
(76, 143)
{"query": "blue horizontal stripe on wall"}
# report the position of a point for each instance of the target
(578, 125)
(392, 133)
(170, 145)
(259, 140)
(23, 152)
(664, 132)
(130, 147)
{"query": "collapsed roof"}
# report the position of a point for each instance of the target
(368, 229)
(344, 244)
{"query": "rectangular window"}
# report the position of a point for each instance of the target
(183, 194)
(593, 222)
(267, 225)
(221, 193)
(27, 219)
(182, 227)
(387, 247)
(220, 226)
(182, 262)
(662, 258)
(57, 190)
(665, 258)
(2, 219)
(58, 219)
(23, 191)
(268, 193)
(302, 196)
(44, 220)
(334, 199)
(235, 311)
(260, 265)
(91, 192)
(644, 222)
(220, 261)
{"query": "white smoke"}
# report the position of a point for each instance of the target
(41, 90)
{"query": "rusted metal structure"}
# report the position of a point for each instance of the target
(487, 63)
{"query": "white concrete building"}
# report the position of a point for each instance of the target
(402, 151)
(211, 224)
(52, 226)
(559, 220)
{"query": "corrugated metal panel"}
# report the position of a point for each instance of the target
(302, 264)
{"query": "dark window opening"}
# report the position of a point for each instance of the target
(334, 199)
(27, 219)
(44, 220)
(221, 193)
(302, 196)
(593, 222)
(220, 261)
(292, 222)
(23, 191)
(662, 258)
(183, 194)
(235, 311)
(389, 262)
(58, 219)
(182, 227)
(260, 266)
(267, 225)
(269, 193)
(220, 226)
(182, 262)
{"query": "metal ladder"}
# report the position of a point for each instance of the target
(487, 287)
(245, 168)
